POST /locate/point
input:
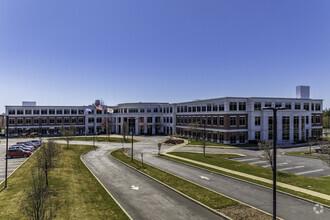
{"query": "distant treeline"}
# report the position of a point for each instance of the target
(326, 118)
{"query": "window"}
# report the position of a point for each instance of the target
(203, 108)
(98, 120)
(208, 107)
(257, 106)
(278, 104)
(312, 107)
(194, 108)
(233, 138)
(242, 137)
(285, 128)
(90, 120)
(81, 120)
(189, 109)
(242, 106)
(51, 120)
(20, 112)
(221, 137)
(36, 112)
(149, 110)
(59, 121)
(317, 119)
(35, 121)
(59, 112)
(257, 135)
(171, 109)
(307, 120)
(257, 121)
(221, 121)
(232, 120)
(11, 121)
(215, 121)
(19, 121)
(11, 112)
(66, 111)
(208, 120)
(149, 120)
(142, 110)
(28, 112)
(198, 109)
(215, 107)
(28, 121)
(242, 121)
(66, 120)
(73, 111)
(296, 128)
(306, 106)
(270, 128)
(317, 107)
(233, 106)
(221, 107)
(288, 105)
(73, 120)
(44, 111)
(296, 106)
(81, 111)
(44, 120)
(52, 111)
(268, 104)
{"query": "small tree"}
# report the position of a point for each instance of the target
(124, 130)
(47, 157)
(266, 154)
(68, 133)
(106, 124)
(325, 152)
(38, 202)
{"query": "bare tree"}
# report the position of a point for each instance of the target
(124, 130)
(266, 154)
(38, 202)
(325, 152)
(106, 124)
(47, 157)
(68, 134)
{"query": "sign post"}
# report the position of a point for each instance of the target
(159, 146)
(142, 159)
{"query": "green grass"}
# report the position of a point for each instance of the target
(321, 184)
(201, 194)
(302, 154)
(86, 198)
(99, 139)
(194, 142)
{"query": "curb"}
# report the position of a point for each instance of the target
(171, 188)
(19, 166)
(290, 155)
(102, 183)
(246, 181)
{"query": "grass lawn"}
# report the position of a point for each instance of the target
(99, 139)
(302, 153)
(321, 184)
(209, 198)
(194, 142)
(86, 198)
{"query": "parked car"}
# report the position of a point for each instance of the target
(18, 153)
(20, 146)
(27, 144)
(37, 142)
(321, 150)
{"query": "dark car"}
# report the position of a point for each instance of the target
(18, 153)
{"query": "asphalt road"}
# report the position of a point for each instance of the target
(292, 164)
(140, 196)
(259, 197)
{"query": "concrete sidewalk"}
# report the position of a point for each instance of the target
(284, 185)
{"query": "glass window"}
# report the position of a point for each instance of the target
(44, 111)
(52, 111)
(232, 120)
(215, 121)
(36, 112)
(221, 107)
(297, 106)
(285, 128)
(257, 106)
(28, 112)
(268, 104)
(242, 106)
(221, 121)
(278, 104)
(242, 121)
(59, 112)
(257, 121)
(288, 105)
(257, 135)
(20, 112)
(233, 106)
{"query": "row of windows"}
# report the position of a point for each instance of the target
(204, 108)
(257, 120)
(38, 122)
(142, 110)
(289, 105)
(211, 121)
(50, 111)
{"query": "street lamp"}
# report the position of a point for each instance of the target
(274, 153)
(7, 134)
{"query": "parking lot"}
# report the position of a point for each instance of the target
(13, 163)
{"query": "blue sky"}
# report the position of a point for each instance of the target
(72, 52)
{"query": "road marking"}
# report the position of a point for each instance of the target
(290, 168)
(204, 177)
(258, 162)
(311, 171)
(279, 164)
(247, 159)
(134, 187)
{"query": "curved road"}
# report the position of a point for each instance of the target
(140, 196)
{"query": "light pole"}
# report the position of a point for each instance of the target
(7, 134)
(132, 130)
(274, 154)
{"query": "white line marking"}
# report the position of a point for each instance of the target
(247, 159)
(134, 187)
(259, 162)
(204, 177)
(279, 164)
(291, 168)
(311, 171)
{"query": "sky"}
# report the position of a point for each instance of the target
(71, 52)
